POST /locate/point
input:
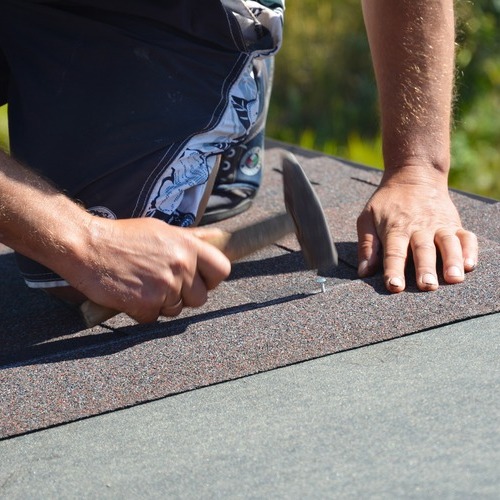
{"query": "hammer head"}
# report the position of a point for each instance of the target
(304, 207)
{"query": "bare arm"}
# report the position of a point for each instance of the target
(412, 45)
(138, 266)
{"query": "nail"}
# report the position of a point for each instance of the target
(363, 268)
(321, 280)
(429, 279)
(396, 282)
(454, 272)
(470, 263)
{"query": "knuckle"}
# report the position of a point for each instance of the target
(446, 237)
(362, 219)
(399, 226)
(179, 266)
(365, 246)
(469, 236)
(423, 246)
(473, 239)
(394, 252)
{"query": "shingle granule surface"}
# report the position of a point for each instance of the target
(268, 314)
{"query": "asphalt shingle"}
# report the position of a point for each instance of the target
(268, 314)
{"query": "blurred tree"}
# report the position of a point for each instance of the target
(325, 96)
(4, 135)
(476, 137)
(323, 80)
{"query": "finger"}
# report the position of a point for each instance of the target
(368, 245)
(470, 250)
(171, 285)
(172, 310)
(194, 293)
(424, 258)
(173, 301)
(206, 233)
(144, 308)
(395, 255)
(451, 253)
(213, 265)
(150, 307)
(144, 315)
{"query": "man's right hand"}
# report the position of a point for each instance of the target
(142, 267)
(145, 268)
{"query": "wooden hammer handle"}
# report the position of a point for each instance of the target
(234, 246)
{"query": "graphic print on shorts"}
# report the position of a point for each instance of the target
(176, 194)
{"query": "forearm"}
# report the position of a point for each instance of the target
(37, 220)
(412, 45)
(143, 267)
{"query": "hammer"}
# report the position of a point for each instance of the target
(304, 216)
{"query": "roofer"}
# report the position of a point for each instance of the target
(122, 110)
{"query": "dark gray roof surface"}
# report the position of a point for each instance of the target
(267, 315)
(416, 417)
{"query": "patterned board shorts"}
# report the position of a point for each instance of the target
(126, 105)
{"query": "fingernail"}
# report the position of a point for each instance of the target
(470, 264)
(429, 279)
(363, 268)
(454, 272)
(396, 282)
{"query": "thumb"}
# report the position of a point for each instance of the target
(213, 235)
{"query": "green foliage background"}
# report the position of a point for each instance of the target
(325, 97)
